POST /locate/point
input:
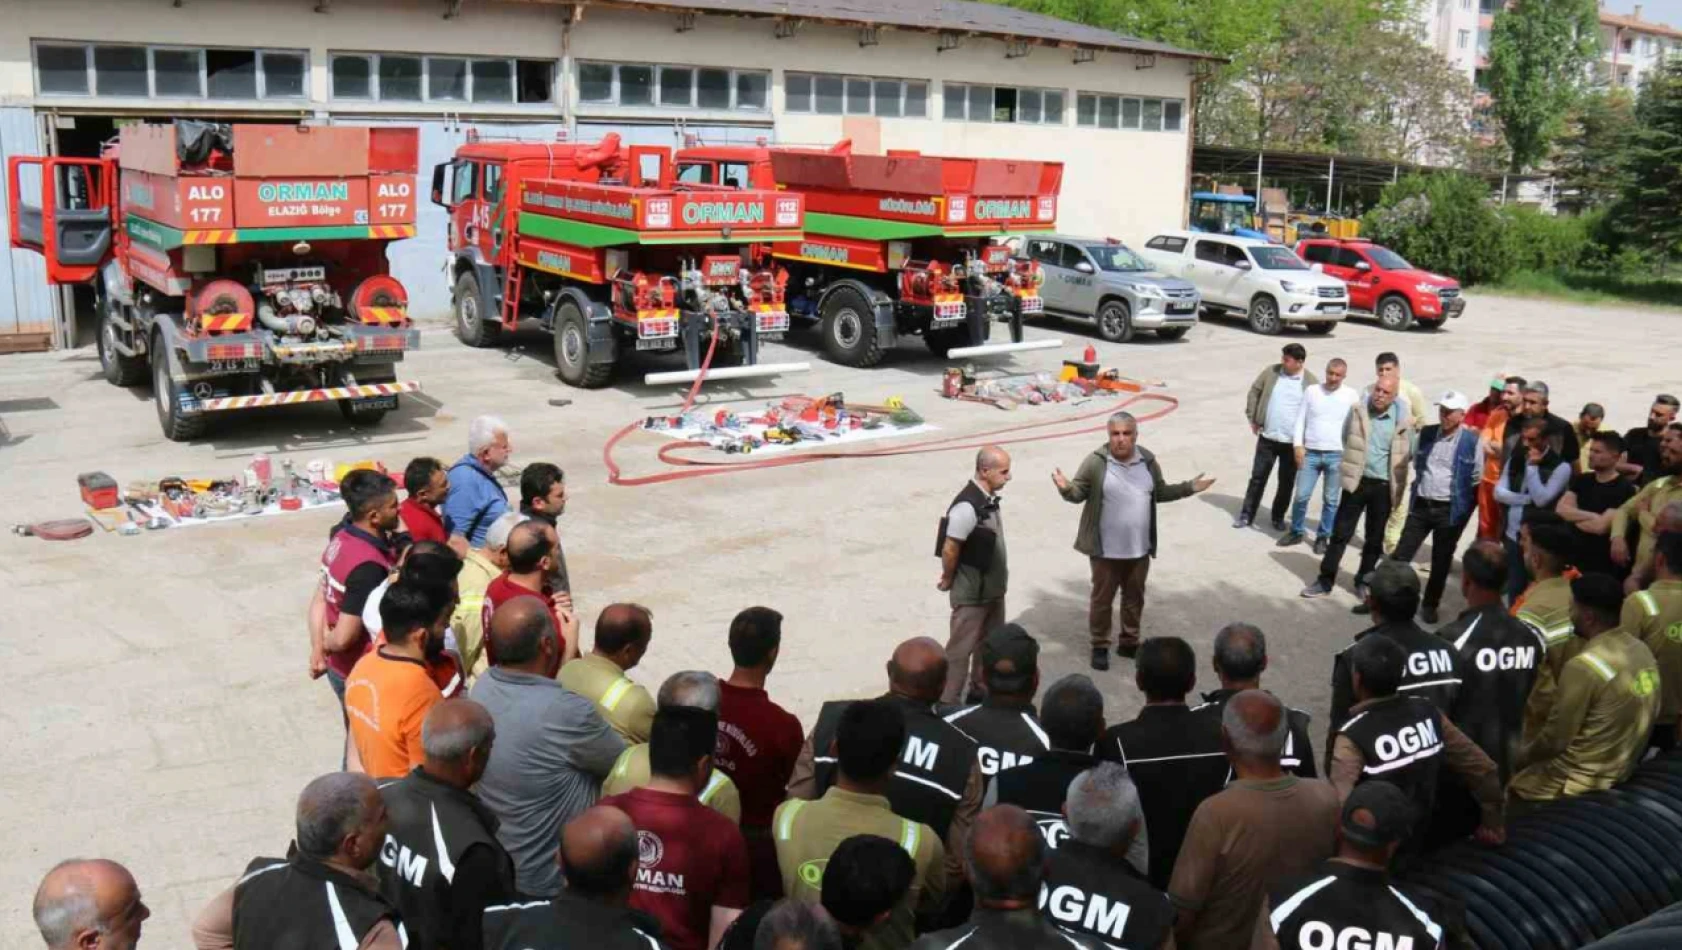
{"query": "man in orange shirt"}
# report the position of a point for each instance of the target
(390, 691)
(1491, 438)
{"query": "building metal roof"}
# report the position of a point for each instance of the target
(991, 20)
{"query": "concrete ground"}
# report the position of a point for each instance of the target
(158, 703)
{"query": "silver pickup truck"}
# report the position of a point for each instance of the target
(1103, 281)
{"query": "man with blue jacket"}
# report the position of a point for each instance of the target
(1445, 494)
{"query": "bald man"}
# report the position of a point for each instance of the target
(326, 894)
(89, 905)
(533, 548)
(443, 865)
(552, 747)
(623, 632)
(973, 571)
(598, 853)
(938, 781)
(1006, 862)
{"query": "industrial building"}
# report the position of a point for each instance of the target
(942, 76)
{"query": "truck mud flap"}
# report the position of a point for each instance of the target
(887, 329)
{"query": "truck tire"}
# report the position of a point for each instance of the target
(1395, 313)
(471, 325)
(941, 342)
(572, 350)
(1115, 321)
(1264, 315)
(849, 329)
(166, 395)
(119, 370)
(1172, 333)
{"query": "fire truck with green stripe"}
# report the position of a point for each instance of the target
(236, 266)
(900, 243)
(599, 245)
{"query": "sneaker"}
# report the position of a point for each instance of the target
(1279, 524)
(1360, 609)
(1320, 546)
(1100, 658)
(1127, 650)
(1242, 521)
(1290, 540)
(1428, 613)
(1317, 590)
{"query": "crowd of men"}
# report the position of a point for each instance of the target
(504, 788)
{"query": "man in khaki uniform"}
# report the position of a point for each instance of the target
(623, 632)
(1655, 615)
(1546, 608)
(1646, 509)
(698, 689)
(867, 743)
(1608, 695)
(478, 569)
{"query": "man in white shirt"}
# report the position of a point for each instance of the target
(1317, 440)
(1274, 401)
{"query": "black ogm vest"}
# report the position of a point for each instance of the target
(933, 767)
(977, 550)
(1401, 742)
(1087, 892)
(430, 828)
(565, 923)
(300, 904)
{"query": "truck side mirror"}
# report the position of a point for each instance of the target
(438, 184)
(1362, 266)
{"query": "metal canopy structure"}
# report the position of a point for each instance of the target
(1347, 184)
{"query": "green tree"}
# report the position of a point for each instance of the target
(1445, 223)
(1650, 212)
(1539, 54)
(1590, 153)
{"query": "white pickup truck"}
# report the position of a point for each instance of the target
(1267, 283)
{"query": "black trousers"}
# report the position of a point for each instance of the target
(1372, 499)
(1430, 519)
(1269, 453)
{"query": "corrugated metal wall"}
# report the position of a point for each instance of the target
(25, 299)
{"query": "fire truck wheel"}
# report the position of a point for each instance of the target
(119, 370)
(471, 326)
(166, 395)
(572, 350)
(1115, 321)
(941, 341)
(849, 329)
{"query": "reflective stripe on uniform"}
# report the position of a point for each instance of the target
(1649, 606)
(341, 924)
(615, 693)
(1600, 665)
(622, 767)
(1291, 903)
(1431, 926)
(785, 824)
(713, 785)
(908, 837)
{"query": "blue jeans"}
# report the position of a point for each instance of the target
(1314, 464)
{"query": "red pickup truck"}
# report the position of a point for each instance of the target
(1382, 283)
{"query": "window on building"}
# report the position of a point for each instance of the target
(398, 77)
(1172, 115)
(283, 75)
(402, 79)
(232, 73)
(822, 94)
(62, 70)
(133, 71)
(446, 79)
(120, 71)
(1130, 111)
(1628, 44)
(1646, 46)
(1096, 111)
(672, 87)
(1464, 39)
(178, 73)
(1004, 104)
(493, 80)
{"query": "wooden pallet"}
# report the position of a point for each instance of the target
(26, 342)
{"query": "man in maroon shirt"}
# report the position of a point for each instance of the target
(531, 556)
(427, 483)
(692, 865)
(758, 740)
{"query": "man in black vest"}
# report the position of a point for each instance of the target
(1405, 740)
(971, 548)
(1430, 668)
(1090, 888)
(1349, 901)
(1240, 656)
(1003, 724)
(1174, 755)
(325, 895)
(1073, 719)
(1500, 657)
(598, 857)
(441, 863)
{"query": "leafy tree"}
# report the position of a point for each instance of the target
(1539, 54)
(1650, 212)
(1444, 223)
(1588, 160)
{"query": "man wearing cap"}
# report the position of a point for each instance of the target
(1445, 489)
(1391, 736)
(1004, 726)
(1430, 670)
(1377, 447)
(1492, 435)
(1478, 412)
(1608, 697)
(1655, 615)
(1350, 897)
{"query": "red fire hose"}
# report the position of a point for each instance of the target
(700, 468)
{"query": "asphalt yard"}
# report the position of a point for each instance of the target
(158, 703)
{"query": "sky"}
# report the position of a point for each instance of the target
(1657, 11)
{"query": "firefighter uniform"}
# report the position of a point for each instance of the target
(1546, 607)
(1597, 727)
(1005, 736)
(1644, 509)
(1091, 892)
(624, 704)
(633, 771)
(1298, 757)
(441, 864)
(807, 832)
(566, 922)
(303, 903)
(1341, 905)
(1655, 615)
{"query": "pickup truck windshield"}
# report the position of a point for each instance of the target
(1388, 259)
(1116, 258)
(1276, 258)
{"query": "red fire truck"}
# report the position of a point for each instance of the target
(613, 256)
(242, 266)
(900, 243)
